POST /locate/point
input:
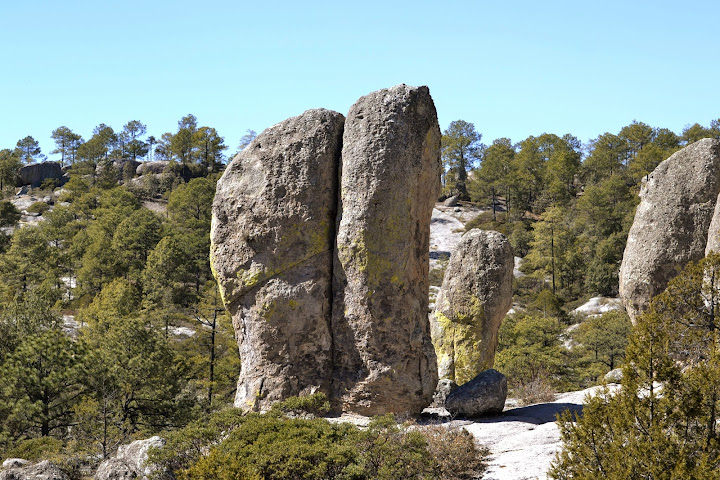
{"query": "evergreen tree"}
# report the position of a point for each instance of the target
(28, 149)
(460, 149)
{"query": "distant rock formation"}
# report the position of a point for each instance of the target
(384, 358)
(154, 167)
(130, 462)
(35, 174)
(475, 296)
(327, 282)
(273, 230)
(44, 470)
(673, 223)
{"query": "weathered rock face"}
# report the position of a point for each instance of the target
(155, 167)
(129, 462)
(671, 223)
(44, 470)
(483, 395)
(272, 248)
(384, 358)
(475, 296)
(34, 174)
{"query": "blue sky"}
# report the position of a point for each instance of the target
(513, 68)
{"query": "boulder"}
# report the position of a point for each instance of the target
(272, 253)
(614, 376)
(483, 395)
(444, 388)
(35, 174)
(15, 463)
(44, 470)
(155, 167)
(451, 201)
(671, 222)
(129, 461)
(384, 359)
(475, 296)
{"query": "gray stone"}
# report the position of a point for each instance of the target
(384, 358)
(155, 167)
(44, 470)
(671, 223)
(483, 395)
(15, 463)
(444, 388)
(272, 247)
(35, 174)
(475, 296)
(451, 201)
(130, 461)
(614, 376)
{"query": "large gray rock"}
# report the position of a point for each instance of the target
(671, 223)
(154, 167)
(272, 246)
(44, 470)
(384, 358)
(483, 395)
(475, 296)
(36, 173)
(130, 461)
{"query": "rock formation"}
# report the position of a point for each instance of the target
(129, 462)
(671, 223)
(36, 173)
(384, 358)
(272, 248)
(483, 395)
(44, 470)
(154, 167)
(475, 296)
(327, 282)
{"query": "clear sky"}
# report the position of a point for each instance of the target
(513, 68)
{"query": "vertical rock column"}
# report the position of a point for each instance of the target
(476, 295)
(272, 250)
(671, 222)
(384, 358)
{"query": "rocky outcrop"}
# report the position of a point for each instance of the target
(130, 462)
(327, 281)
(44, 470)
(35, 174)
(483, 395)
(384, 358)
(475, 296)
(154, 167)
(671, 223)
(444, 388)
(272, 247)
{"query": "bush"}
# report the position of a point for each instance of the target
(229, 445)
(38, 207)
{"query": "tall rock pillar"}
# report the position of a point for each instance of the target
(384, 358)
(272, 247)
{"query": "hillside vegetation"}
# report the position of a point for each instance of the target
(111, 326)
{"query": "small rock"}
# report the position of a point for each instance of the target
(483, 395)
(451, 202)
(614, 376)
(15, 463)
(444, 388)
(44, 470)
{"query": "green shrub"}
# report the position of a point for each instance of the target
(38, 207)
(36, 449)
(229, 445)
